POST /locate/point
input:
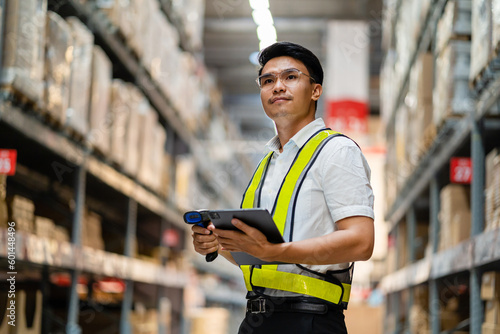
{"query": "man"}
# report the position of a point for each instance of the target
(316, 184)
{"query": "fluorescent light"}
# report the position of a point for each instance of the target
(262, 17)
(267, 32)
(259, 4)
(264, 44)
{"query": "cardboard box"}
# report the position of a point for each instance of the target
(481, 37)
(44, 227)
(451, 95)
(455, 23)
(495, 21)
(120, 111)
(23, 47)
(454, 215)
(217, 319)
(79, 86)
(490, 285)
(148, 121)
(490, 329)
(22, 212)
(100, 98)
(138, 107)
(58, 66)
(492, 311)
(92, 231)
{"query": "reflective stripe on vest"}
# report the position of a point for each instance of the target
(268, 276)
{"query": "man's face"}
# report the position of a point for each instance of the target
(294, 103)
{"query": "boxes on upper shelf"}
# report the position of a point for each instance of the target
(492, 190)
(495, 18)
(23, 45)
(452, 96)
(420, 89)
(81, 69)
(99, 113)
(481, 38)
(120, 110)
(58, 66)
(454, 24)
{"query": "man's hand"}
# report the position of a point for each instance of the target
(246, 239)
(204, 242)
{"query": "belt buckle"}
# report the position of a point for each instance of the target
(257, 306)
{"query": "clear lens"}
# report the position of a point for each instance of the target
(288, 77)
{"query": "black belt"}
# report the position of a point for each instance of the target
(266, 305)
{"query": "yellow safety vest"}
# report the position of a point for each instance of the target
(268, 276)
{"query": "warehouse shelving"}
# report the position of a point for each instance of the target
(474, 133)
(87, 178)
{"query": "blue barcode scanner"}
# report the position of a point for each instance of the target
(200, 218)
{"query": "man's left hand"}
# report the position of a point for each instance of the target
(246, 239)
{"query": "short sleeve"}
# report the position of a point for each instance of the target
(346, 180)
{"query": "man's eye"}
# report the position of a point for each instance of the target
(291, 76)
(267, 81)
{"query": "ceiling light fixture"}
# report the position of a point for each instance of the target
(266, 32)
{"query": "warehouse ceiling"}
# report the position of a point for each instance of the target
(230, 38)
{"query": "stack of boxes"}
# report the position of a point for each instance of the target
(454, 215)
(57, 67)
(24, 41)
(492, 190)
(485, 36)
(452, 96)
(490, 293)
(22, 212)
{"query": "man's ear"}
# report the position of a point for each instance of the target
(317, 91)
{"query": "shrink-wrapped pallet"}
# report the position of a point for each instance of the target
(81, 65)
(156, 159)
(495, 18)
(138, 108)
(481, 37)
(452, 96)
(100, 96)
(454, 24)
(120, 110)
(58, 66)
(120, 14)
(492, 190)
(23, 48)
(420, 86)
(148, 122)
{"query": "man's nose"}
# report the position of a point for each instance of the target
(279, 86)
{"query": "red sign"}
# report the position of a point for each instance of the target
(8, 160)
(347, 116)
(461, 170)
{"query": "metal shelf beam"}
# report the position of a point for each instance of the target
(474, 253)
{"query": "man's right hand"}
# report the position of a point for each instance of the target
(204, 241)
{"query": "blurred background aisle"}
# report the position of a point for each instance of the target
(117, 116)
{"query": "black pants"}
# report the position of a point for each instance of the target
(294, 322)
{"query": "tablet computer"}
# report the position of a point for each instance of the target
(260, 219)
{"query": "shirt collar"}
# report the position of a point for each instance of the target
(300, 138)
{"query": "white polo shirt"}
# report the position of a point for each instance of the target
(337, 186)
